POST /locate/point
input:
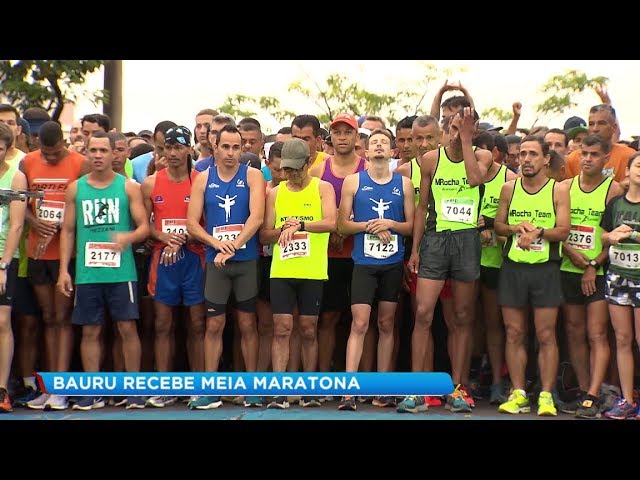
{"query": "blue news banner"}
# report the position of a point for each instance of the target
(261, 384)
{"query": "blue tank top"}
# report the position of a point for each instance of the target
(226, 207)
(372, 201)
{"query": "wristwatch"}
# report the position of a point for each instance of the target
(4, 265)
(594, 264)
(301, 227)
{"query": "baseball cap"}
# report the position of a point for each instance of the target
(145, 133)
(488, 127)
(295, 153)
(250, 159)
(36, 116)
(345, 118)
(500, 142)
(574, 126)
(181, 135)
(26, 129)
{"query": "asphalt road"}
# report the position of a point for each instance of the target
(228, 411)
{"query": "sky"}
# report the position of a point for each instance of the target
(157, 90)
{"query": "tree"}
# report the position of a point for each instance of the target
(339, 94)
(562, 87)
(46, 84)
(561, 93)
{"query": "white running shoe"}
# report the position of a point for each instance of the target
(38, 403)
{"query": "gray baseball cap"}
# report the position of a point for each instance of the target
(295, 153)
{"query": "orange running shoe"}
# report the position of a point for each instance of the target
(5, 401)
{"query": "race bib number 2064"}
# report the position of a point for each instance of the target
(51, 211)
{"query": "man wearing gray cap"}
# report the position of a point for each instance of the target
(300, 214)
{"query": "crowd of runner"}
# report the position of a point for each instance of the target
(505, 256)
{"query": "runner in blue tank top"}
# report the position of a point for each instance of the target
(382, 204)
(231, 196)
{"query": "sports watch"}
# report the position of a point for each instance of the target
(594, 264)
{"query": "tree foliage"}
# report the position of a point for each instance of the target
(47, 84)
(561, 93)
(563, 88)
(497, 115)
(339, 93)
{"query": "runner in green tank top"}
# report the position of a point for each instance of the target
(426, 135)
(583, 281)
(490, 263)
(99, 208)
(534, 215)
(12, 215)
(450, 246)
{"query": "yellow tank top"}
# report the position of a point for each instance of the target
(305, 256)
(321, 157)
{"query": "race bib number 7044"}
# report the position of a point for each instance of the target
(461, 210)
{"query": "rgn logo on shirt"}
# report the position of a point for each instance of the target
(101, 211)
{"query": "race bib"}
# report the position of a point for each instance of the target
(373, 247)
(174, 225)
(461, 210)
(228, 232)
(582, 237)
(298, 246)
(101, 254)
(537, 245)
(625, 256)
(51, 211)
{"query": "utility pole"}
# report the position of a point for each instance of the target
(113, 84)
